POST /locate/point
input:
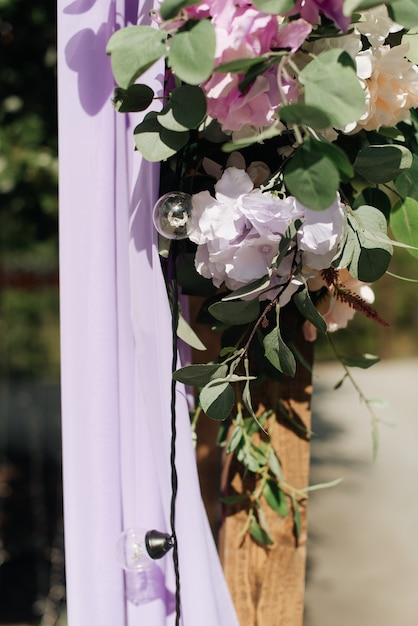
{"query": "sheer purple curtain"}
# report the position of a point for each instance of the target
(116, 355)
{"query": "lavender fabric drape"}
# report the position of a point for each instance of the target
(116, 355)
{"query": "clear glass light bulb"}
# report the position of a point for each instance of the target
(171, 214)
(131, 550)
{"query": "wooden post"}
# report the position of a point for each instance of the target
(266, 584)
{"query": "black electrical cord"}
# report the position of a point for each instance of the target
(172, 275)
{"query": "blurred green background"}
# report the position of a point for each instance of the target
(31, 533)
(31, 551)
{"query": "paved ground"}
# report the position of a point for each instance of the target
(363, 546)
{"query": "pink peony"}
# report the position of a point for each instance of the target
(310, 10)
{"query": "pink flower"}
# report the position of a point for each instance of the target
(292, 34)
(311, 9)
(234, 109)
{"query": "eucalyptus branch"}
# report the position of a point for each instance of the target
(374, 420)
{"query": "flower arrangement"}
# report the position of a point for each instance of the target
(288, 141)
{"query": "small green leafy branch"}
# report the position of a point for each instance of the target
(260, 461)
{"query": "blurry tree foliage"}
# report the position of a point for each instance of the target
(28, 188)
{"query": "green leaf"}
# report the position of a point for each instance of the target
(381, 164)
(271, 131)
(371, 261)
(239, 66)
(411, 38)
(404, 12)
(199, 375)
(259, 534)
(275, 497)
(350, 6)
(236, 312)
(274, 464)
(372, 196)
(217, 400)
(364, 361)
(277, 352)
(407, 183)
(331, 84)
(235, 440)
(185, 109)
(309, 311)
(275, 7)
(155, 142)
(303, 114)
(296, 516)
(239, 497)
(247, 290)
(189, 279)
(135, 98)
(192, 52)
(133, 50)
(404, 223)
(186, 333)
(312, 178)
(171, 8)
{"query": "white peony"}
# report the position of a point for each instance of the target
(391, 85)
(376, 25)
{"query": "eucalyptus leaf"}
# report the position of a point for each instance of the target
(133, 50)
(247, 290)
(186, 333)
(312, 178)
(235, 499)
(268, 133)
(260, 535)
(278, 353)
(236, 312)
(411, 39)
(373, 196)
(304, 114)
(185, 109)
(274, 464)
(192, 52)
(239, 66)
(296, 516)
(309, 311)
(363, 361)
(276, 7)
(404, 223)
(381, 164)
(359, 5)
(235, 439)
(135, 98)
(199, 375)
(371, 261)
(275, 497)
(406, 183)
(331, 84)
(217, 401)
(155, 142)
(404, 12)
(171, 8)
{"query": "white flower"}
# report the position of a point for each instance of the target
(376, 25)
(391, 85)
(320, 234)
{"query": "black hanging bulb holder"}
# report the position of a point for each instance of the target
(158, 543)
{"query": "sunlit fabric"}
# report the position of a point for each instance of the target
(116, 355)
